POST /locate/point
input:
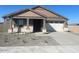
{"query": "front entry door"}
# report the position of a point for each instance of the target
(37, 25)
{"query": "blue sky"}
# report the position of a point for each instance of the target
(69, 11)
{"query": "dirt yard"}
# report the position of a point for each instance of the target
(28, 39)
(63, 42)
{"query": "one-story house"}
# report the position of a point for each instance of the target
(37, 19)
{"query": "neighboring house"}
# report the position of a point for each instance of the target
(1, 27)
(37, 19)
(73, 28)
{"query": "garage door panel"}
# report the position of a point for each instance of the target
(57, 26)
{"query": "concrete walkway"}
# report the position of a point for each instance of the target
(66, 43)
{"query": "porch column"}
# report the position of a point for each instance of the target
(28, 29)
(44, 25)
(10, 30)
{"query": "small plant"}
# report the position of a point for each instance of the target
(24, 41)
(6, 40)
(46, 41)
(33, 39)
(18, 38)
(15, 35)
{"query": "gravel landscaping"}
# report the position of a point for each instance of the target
(28, 39)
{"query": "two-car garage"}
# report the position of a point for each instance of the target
(56, 26)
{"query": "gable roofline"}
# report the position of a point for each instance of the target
(21, 11)
(15, 13)
(50, 11)
(24, 10)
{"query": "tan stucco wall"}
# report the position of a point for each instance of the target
(23, 29)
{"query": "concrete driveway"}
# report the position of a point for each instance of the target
(65, 38)
(56, 42)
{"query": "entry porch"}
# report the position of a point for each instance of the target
(22, 25)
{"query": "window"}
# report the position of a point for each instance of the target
(20, 22)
